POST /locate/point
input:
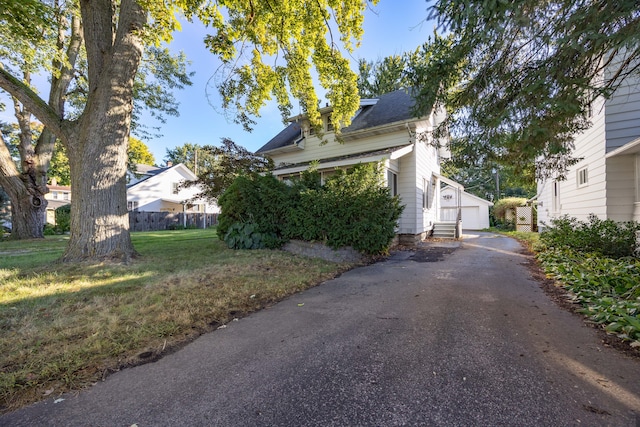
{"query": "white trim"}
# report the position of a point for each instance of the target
(632, 147)
(347, 162)
(448, 181)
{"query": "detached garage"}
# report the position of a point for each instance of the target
(475, 210)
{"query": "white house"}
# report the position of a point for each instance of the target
(606, 182)
(474, 209)
(154, 189)
(383, 130)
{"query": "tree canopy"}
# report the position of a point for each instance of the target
(217, 166)
(267, 52)
(520, 77)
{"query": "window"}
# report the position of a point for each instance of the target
(392, 182)
(556, 197)
(426, 184)
(54, 195)
(132, 205)
(329, 123)
(65, 196)
(175, 187)
(638, 178)
(582, 177)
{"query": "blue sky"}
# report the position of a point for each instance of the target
(389, 28)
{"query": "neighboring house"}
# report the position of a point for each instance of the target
(58, 195)
(154, 189)
(606, 182)
(383, 130)
(475, 210)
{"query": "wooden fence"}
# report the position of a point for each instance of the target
(153, 221)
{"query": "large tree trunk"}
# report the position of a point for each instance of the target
(97, 148)
(99, 216)
(28, 214)
(26, 193)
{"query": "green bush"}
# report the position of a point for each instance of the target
(63, 219)
(256, 199)
(352, 208)
(605, 237)
(246, 236)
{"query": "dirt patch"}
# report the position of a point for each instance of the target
(561, 297)
(432, 253)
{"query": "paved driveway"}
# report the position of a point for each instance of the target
(457, 335)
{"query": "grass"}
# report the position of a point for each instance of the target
(66, 326)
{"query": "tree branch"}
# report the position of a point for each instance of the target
(33, 103)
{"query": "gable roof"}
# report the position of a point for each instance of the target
(393, 107)
(152, 171)
(469, 195)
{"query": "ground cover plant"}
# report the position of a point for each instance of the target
(596, 260)
(65, 326)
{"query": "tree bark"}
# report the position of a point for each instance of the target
(28, 205)
(98, 148)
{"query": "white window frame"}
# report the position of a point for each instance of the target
(555, 196)
(392, 182)
(426, 185)
(175, 187)
(582, 177)
(637, 178)
(132, 205)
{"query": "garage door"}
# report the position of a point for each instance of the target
(471, 218)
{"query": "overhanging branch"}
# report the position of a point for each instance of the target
(32, 102)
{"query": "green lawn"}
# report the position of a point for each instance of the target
(65, 326)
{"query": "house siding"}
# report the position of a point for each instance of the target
(580, 201)
(150, 192)
(315, 150)
(623, 115)
(621, 188)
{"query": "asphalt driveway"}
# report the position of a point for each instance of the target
(454, 334)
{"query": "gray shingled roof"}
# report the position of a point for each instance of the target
(391, 108)
(285, 138)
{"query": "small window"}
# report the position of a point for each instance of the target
(55, 195)
(582, 177)
(392, 183)
(65, 196)
(132, 205)
(175, 187)
(329, 123)
(425, 193)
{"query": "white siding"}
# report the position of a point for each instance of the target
(580, 201)
(621, 188)
(150, 193)
(315, 150)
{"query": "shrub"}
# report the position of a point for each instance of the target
(245, 236)
(605, 237)
(260, 200)
(353, 208)
(63, 219)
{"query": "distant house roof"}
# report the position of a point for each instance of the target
(144, 172)
(151, 171)
(389, 108)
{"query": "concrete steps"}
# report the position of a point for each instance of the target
(444, 230)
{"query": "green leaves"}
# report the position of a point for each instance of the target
(520, 77)
(269, 50)
(608, 286)
(352, 208)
